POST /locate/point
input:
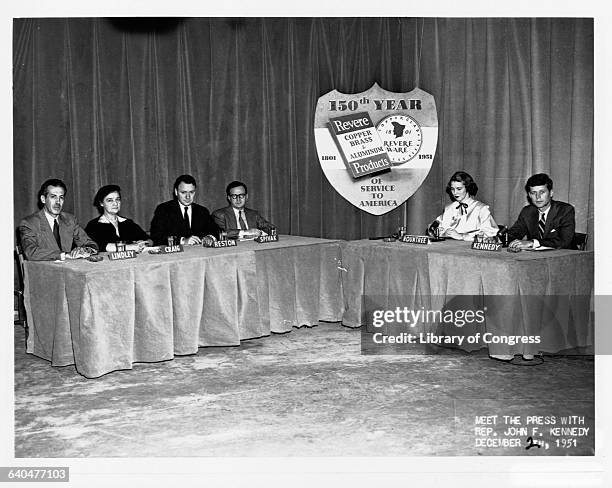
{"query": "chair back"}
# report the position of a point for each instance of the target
(580, 241)
(20, 315)
(20, 260)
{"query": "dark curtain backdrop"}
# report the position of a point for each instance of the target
(138, 102)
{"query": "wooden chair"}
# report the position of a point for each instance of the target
(580, 241)
(21, 318)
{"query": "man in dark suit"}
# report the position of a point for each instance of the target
(545, 222)
(238, 220)
(51, 234)
(182, 217)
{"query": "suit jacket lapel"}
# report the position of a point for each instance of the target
(552, 214)
(233, 223)
(65, 233)
(251, 216)
(46, 234)
(533, 222)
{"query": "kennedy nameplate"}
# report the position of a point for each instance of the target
(487, 246)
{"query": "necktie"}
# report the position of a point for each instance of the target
(541, 225)
(56, 234)
(243, 225)
(186, 219)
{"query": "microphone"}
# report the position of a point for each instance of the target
(502, 235)
(433, 229)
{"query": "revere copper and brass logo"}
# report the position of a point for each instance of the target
(401, 136)
(376, 147)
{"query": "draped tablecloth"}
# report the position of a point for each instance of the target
(531, 293)
(104, 316)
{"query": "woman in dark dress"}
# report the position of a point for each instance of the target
(110, 227)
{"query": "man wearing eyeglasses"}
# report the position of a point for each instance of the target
(236, 219)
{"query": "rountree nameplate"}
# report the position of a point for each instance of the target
(376, 147)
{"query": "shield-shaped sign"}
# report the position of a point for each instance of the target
(376, 147)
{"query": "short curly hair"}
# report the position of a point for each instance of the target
(102, 193)
(466, 179)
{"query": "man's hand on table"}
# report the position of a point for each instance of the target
(81, 252)
(517, 245)
(252, 233)
(137, 246)
(453, 234)
(192, 241)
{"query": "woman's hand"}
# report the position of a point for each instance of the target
(453, 234)
(141, 245)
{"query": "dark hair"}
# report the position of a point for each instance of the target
(46, 185)
(466, 179)
(187, 179)
(102, 193)
(235, 184)
(539, 179)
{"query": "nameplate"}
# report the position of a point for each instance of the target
(118, 255)
(171, 249)
(262, 239)
(228, 243)
(410, 239)
(487, 246)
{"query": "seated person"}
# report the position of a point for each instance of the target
(237, 220)
(465, 217)
(183, 218)
(110, 227)
(545, 222)
(51, 234)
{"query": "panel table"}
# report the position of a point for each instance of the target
(544, 293)
(104, 316)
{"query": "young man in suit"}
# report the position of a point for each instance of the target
(238, 220)
(51, 234)
(182, 217)
(545, 222)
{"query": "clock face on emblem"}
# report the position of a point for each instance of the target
(401, 136)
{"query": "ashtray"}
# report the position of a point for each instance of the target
(94, 258)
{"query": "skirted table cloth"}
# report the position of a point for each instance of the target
(104, 316)
(532, 293)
